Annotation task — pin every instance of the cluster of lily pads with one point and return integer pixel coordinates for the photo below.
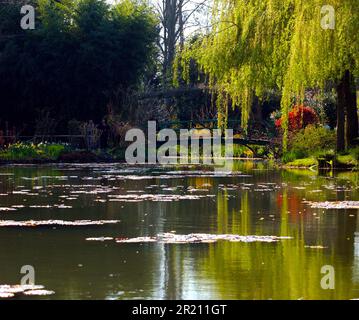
(11, 291)
(52, 223)
(173, 238)
(334, 204)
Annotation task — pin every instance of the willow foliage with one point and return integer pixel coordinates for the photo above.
(259, 45)
(318, 55)
(245, 53)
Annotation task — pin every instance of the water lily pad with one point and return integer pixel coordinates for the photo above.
(100, 239)
(46, 223)
(200, 238)
(10, 291)
(333, 204)
(316, 247)
(39, 292)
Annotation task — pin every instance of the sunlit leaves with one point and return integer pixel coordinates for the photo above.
(255, 46)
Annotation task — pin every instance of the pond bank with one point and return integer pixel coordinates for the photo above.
(88, 157)
(68, 157)
(342, 162)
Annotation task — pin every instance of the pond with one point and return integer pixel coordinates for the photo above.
(256, 200)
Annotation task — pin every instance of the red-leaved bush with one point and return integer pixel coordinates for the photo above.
(298, 118)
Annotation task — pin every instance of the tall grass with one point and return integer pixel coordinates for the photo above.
(31, 151)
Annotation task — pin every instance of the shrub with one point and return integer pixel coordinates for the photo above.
(292, 155)
(305, 163)
(242, 151)
(51, 151)
(347, 161)
(312, 140)
(31, 151)
(325, 154)
(355, 153)
(18, 151)
(298, 118)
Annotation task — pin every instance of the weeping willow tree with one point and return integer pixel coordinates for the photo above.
(260, 45)
(245, 54)
(324, 48)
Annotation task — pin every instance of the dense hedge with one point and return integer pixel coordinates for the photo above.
(79, 54)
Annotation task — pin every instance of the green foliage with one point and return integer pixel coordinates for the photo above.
(80, 55)
(242, 151)
(312, 140)
(290, 156)
(322, 55)
(258, 45)
(30, 151)
(347, 160)
(245, 54)
(302, 163)
(327, 154)
(354, 152)
(51, 151)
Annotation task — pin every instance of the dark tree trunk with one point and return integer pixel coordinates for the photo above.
(351, 113)
(256, 111)
(342, 95)
(170, 21)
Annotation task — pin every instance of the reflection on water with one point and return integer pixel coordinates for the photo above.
(256, 201)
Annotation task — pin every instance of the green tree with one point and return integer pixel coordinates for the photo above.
(259, 45)
(245, 53)
(80, 54)
(320, 55)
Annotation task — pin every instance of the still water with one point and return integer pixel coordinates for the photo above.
(257, 200)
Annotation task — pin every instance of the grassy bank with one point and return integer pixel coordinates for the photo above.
(56, 152)
(32, 152)
(340, 161)
(49, 152)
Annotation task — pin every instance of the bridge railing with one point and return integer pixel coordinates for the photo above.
(256, 129)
